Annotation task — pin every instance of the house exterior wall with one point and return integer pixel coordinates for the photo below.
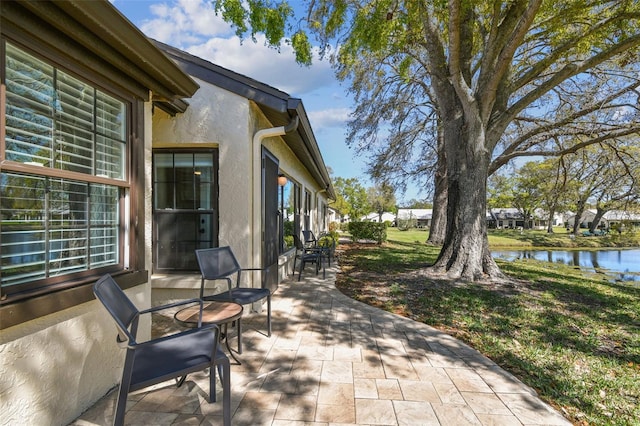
(55, 367)
(219, 119)
(294, 169)
(291, 166)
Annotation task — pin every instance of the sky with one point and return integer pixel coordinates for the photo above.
(192, 25)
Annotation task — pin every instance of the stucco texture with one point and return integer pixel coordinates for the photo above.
(55, 367)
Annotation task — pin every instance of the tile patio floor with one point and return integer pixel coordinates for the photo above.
(332, 360)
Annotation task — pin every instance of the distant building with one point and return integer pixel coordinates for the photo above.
(621, 217)
(613, 218)
(333, 215)
(513, 218)
(422, 217)
(375, 217)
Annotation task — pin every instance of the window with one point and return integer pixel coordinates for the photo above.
(307, 211)
(185, 207)
(63, 178)
(290, 199)
(322, 212)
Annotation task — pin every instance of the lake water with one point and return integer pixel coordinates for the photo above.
(621, 264)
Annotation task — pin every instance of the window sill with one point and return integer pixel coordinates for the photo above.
(17, 312)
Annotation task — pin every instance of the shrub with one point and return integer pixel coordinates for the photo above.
(288, 241)
(406, 224)
(368, 231)
(288, 233)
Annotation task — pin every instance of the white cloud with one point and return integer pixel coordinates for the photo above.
(331, 117)
(193, 26)
(265, 64)
(184, 22)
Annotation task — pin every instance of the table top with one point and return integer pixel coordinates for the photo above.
(212, 313)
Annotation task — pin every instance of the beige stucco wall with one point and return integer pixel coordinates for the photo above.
(218, 118)
(215, 118)
(55, 367)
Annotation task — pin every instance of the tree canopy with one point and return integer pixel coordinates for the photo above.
(490, 82)
(382, 198)
(351, 198)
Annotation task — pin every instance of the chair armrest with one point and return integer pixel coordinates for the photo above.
(239, 272)
(314, 250)
(172, 305)
(204, 329)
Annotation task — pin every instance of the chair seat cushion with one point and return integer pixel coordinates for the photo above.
(160, 360)
(242, 295)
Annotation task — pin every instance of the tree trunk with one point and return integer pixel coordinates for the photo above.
(437, 231)
(578, 219)
(528, 219)
(596, 219)
(552, 213)
(465, 253)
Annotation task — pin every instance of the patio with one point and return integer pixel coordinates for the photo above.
(332, 360)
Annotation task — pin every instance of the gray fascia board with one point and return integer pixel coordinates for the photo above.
(102, 30)
(311, 144)
(239, 84)
(114, 28)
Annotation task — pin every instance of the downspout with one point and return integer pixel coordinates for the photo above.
(256, 237)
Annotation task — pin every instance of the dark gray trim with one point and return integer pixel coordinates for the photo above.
(239, 84)
(13, 314)
(105, 40)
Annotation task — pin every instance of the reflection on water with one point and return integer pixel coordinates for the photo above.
(623, 265)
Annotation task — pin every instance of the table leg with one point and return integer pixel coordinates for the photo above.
(225, 336)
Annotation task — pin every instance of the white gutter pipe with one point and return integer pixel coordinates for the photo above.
(256, 183)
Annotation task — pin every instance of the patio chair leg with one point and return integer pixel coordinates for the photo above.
(239, 335)
(269, 315)
(121, 406)
(212, 382)
(123, 391)
(226, 394)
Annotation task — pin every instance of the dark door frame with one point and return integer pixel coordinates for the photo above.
(270, 217)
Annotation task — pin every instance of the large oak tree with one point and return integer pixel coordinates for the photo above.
(506, 78)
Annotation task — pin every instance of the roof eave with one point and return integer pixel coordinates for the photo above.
(277, 106)
(102, 29)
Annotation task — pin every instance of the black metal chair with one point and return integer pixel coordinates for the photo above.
(328, 243)
(307, 254)
(219, 263)
(171, 357)
(309, 238)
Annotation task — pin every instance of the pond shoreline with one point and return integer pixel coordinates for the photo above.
(620, 264)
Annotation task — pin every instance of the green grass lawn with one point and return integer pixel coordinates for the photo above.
(511, 238)
(574, 337)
